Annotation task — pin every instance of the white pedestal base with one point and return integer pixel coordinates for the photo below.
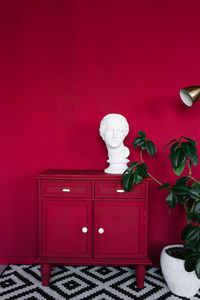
(117, 167)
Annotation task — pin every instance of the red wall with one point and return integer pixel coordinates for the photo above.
(64, 66)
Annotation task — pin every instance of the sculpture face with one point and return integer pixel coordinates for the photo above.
(114, 133)
(113, 129)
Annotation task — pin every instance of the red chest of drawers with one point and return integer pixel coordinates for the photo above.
(86, 218)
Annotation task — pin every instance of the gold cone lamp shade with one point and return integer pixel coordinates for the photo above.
(190, 94)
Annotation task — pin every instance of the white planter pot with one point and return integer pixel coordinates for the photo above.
(179, 281)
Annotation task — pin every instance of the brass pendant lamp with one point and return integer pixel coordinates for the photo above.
(190, 94)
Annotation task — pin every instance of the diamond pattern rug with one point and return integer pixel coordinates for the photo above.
(23, 282)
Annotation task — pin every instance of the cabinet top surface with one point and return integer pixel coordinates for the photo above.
(79, 174)
(62, 173)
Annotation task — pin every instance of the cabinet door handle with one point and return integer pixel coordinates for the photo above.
(120, 191)
(100, 230)
(66, 190)
(84, 230)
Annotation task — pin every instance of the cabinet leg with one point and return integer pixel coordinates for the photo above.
(140, 271)
(45, 274)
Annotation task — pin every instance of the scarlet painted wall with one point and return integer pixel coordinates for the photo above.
(64, 66)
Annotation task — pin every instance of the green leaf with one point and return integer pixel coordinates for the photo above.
(191, 237)
(182, 180)
(139, 141)
(190, 260)
(198, 247)
(183, 199)
(177, 157)
(190, 140)
(137, 178)
(194, 194)
(150, 147)
(191, 217)
(172, 200)
(141, 170)
(190, 163)
(128, 179)
(197, 268)
(134, 163)
(143, 146)
(190, 204)
(181, 189)
(179, 170)
(169, 143)
(191, 152)
(187, 149)
(144, 166)
(142, 134)
(191, 254)
(185, 231)
(164, 186)
(196, 211)
(196, 186)
(189, 264)
(174, 146)
(195, 161)
(197, 207)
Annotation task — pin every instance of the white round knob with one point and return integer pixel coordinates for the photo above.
(84, 229)
(100, 230)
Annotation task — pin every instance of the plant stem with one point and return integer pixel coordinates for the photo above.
(185, 207)
(190, 169)
(141, 157)
(190, 173)
(154, 178)
(194, 180)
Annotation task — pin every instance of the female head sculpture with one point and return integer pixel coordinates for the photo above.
(113, 130)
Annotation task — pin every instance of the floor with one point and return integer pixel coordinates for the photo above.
(23, 282)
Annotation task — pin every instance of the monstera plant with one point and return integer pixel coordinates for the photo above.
(186, 190)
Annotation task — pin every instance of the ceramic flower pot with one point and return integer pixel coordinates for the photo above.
(179, 281)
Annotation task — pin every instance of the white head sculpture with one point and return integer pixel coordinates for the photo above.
(113, 130)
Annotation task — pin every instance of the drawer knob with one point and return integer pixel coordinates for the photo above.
(100, 230)
(120, 191)
(66, 190)
(84, 230)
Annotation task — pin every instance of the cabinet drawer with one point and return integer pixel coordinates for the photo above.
(114, 189)
(66, 188)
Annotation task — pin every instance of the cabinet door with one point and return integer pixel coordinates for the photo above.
(119, 229)
(66, 228)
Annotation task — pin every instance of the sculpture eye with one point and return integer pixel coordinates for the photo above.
(120, 131)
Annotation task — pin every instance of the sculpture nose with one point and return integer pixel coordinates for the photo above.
(115, 133)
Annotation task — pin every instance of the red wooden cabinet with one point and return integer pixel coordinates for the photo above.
(86, 218)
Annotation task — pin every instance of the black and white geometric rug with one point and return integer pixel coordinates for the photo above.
(23, 282)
